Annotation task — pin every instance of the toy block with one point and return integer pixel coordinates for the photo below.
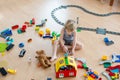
(33, 21)
(3, 47)
(109, 43)
(37, 28)
(27, 23)
(49, 78)
(19, 31)
(22, 53)
(29, 40)
(47, 36)
(6, 32)
(11, 71)
(115, 58)
(41, 33)
(111, 74)
(15, 27)
(7, 38)
(84, 66)
(106, 64)
(115, 70)
(116, 75)
(2, 53)
(24, 27)
(48, 31)
(3, 71)
(21, 45)
(10, 47)
(104, 58)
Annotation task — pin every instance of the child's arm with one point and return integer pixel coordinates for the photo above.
(74, 41)
(65, 49)
(61, 37)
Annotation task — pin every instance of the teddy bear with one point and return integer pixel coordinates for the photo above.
(43, 59)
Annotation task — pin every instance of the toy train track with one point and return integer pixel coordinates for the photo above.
(98, 30)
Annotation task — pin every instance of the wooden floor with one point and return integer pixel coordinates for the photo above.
(18, 11)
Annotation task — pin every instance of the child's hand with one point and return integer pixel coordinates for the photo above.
(65, 49)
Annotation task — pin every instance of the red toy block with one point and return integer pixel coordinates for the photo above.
(112, 74)
(24, 26)
(93, 76)
(15, 27)
(79, 66)
(33, 20)
(26, 23)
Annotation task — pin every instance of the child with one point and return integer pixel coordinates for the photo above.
(67, 40)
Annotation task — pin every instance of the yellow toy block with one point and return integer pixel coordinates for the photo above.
(104, 58)
(53, 39)
(95, 72)
(48, 31)
(90, 78)
(41, 33)
(85, 75)
(11, 71)
(37, 28)
(2, 53)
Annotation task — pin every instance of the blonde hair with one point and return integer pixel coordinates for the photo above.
(69, 25)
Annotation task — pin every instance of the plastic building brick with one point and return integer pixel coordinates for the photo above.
(43, 22)
(15, 27)
(106, 64)
(107, 42)
(19, 31)
(49, 78)
(6, 32)
(115, 58)
(22, 53)
(29, 40)
(48, 31)
(104, 58)
(37, 28)
(3, 47)
(21, 45)
(10, 47)
(47, 36)
(41, 33)
(11, 71)
(3, 71)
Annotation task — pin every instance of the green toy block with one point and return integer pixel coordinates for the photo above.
(19, 31)
(85, 66)
(78, 30)
(3, 47)
(107, 64)
(30, 21)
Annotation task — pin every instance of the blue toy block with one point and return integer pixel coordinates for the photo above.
(6, 32)
(7, 38)
(116, 58)
(49, 78)
(10, 47)
(115, 71)
(106, 39)
(9, 42)
(47, 36)
(21, 45)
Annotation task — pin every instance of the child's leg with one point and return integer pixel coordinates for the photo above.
(55, 50)
(78, 46)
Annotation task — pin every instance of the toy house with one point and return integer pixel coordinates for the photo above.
(65, 67)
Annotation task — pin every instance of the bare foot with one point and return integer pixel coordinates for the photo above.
(53, 58)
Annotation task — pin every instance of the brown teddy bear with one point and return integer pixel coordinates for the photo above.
(43, 59)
